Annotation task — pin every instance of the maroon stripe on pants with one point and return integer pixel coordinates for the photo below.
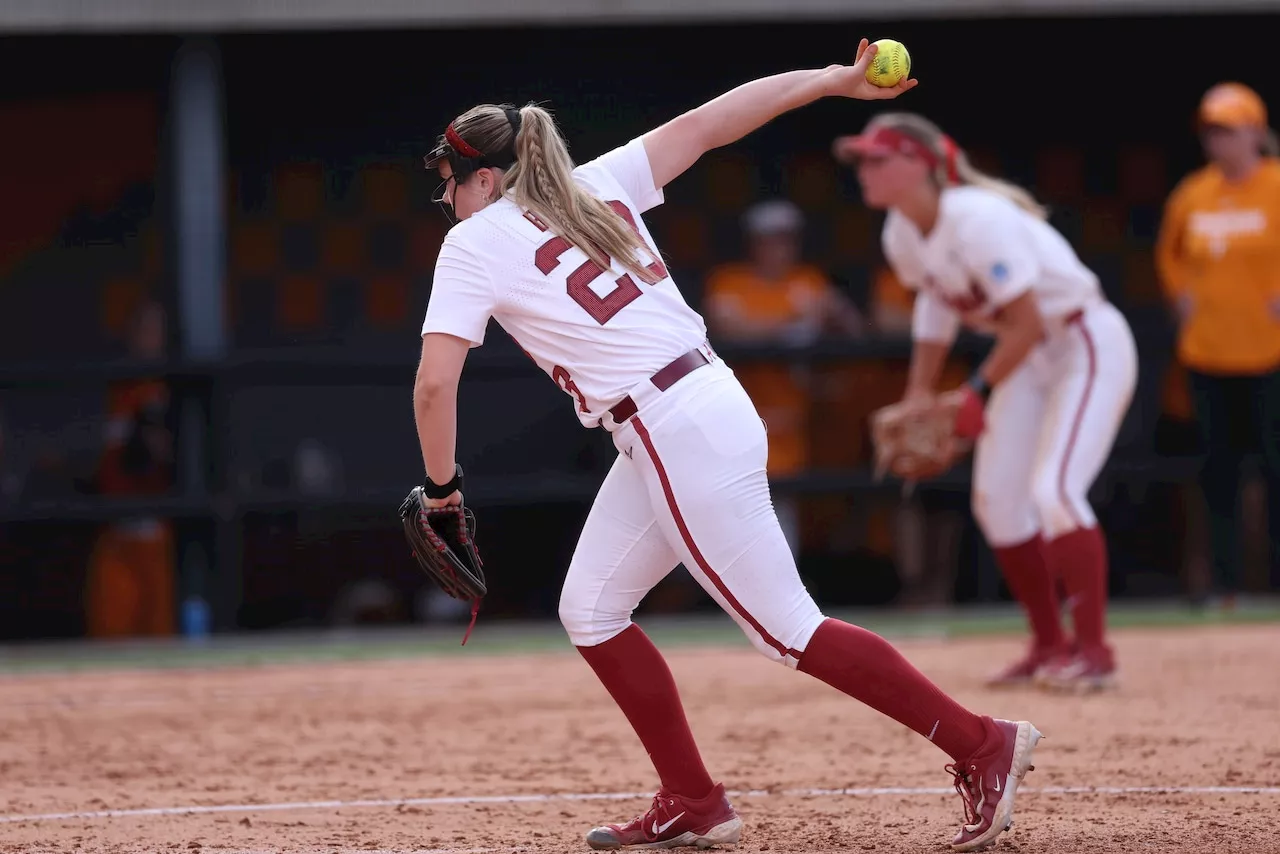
(647, 441)
(1079, 420)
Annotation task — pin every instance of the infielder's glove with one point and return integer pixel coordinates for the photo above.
(916, 440)
(443, 542)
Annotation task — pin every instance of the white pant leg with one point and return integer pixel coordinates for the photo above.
(1093, 379)
(621, 555)
(701, 450)
(1004, 458)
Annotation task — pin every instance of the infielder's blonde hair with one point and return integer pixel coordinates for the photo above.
(932, 137)
(541, 181)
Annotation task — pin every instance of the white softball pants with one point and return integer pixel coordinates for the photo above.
(689, 486)
(1050, 428)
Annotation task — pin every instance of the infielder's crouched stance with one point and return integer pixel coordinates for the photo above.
(1060, 377)
(562, 259)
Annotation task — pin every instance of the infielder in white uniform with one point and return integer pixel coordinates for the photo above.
(1060, 377)
(561, 258)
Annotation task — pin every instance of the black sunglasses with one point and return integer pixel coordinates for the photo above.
(439, 198)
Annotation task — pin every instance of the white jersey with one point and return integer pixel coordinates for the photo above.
(597, 333)
(983, 253)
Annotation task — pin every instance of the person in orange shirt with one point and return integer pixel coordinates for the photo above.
(1218, 254)
(131, 586)
(774, 297)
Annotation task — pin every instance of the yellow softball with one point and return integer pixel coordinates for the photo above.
(892, 64)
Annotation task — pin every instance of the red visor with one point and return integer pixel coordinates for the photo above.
(882, 141)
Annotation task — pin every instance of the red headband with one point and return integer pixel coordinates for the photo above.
(459, 144)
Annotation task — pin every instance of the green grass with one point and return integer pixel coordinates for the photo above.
(506, 638)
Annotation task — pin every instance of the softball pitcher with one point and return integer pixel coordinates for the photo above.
(562, 259)
(1047, 403)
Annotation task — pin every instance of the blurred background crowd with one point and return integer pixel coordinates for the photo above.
(217, 241)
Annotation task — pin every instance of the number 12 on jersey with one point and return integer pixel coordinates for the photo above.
(601, 308)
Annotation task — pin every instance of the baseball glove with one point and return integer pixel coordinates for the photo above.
(443, 542)
(915, 440)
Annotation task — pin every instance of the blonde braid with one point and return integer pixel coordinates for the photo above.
(541, 181)
(541, 175)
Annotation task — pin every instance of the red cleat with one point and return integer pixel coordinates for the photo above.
(674, 822)
(988, 783)
(1024, 670)
(1087, 671)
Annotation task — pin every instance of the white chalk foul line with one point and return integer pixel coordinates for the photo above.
(464, 800)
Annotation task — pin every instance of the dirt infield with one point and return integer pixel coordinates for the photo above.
(1197, 711)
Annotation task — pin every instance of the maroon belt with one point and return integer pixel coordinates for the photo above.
(662, 380)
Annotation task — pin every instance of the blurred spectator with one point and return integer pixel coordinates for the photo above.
(131, 587)
(1219, 261)
(773, 297)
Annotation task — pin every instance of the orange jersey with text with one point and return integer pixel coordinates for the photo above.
(1219, 248)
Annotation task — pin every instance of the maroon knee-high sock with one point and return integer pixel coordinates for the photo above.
(867, 667)
(1080, 559)
(637, 677)
(1026, 570)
